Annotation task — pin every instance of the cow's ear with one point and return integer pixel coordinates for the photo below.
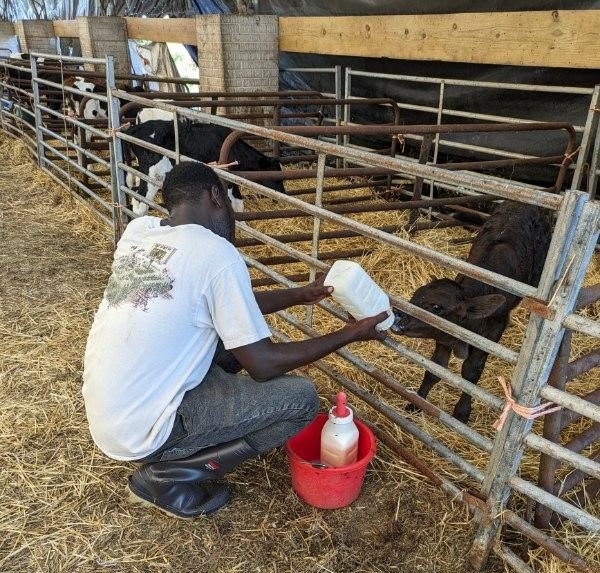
(483, 306)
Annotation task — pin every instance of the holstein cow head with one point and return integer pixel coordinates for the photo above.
(445, 298)
(92, 108)
(149, 113)
(149, 163)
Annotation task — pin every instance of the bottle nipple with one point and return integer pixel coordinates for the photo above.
(341, 410)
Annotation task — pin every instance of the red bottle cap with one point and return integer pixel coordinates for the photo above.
(341, 411)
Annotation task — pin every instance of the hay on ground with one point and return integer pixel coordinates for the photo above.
(64, 504)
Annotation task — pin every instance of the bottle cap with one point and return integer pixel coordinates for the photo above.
(340, 413)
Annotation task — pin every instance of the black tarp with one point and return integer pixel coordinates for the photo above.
(526, 105)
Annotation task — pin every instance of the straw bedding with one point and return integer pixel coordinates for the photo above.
(64, 504)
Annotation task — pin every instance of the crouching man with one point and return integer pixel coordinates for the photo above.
(177, 322)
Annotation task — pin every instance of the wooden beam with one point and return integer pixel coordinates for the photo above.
(66, 28)
(178, 30)
(569, 38)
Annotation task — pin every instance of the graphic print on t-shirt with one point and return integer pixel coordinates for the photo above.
(139, 276)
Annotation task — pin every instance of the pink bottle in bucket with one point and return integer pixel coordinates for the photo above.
(339, 437)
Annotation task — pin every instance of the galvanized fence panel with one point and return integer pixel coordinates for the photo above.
(552, 305)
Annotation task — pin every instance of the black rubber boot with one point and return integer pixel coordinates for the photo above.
(178, 486)
(178, 499)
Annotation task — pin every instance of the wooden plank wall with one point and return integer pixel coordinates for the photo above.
(179, 30)
(569, 38)
(566, 38)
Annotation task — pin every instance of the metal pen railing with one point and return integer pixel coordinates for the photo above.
(552, 305)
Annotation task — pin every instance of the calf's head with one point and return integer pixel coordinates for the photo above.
(445, 298)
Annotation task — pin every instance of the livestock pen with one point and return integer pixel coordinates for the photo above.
(471, 464)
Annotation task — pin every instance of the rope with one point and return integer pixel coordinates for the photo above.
(597, 109)
(523, 411)
(111, 131)
(569, 156)
(222, 165)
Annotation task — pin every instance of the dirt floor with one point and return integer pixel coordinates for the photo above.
(64, 505)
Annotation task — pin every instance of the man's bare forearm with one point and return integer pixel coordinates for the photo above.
(265, 360)
(273, 300)
(269, 360)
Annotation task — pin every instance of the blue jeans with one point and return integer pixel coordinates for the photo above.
(226, 406)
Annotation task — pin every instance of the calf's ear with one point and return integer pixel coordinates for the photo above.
(483, 306)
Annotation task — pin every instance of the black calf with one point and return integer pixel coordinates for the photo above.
(513, 242)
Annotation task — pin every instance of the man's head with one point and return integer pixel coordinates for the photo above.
(193, 192)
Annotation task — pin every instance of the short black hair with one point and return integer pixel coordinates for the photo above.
(187, 182)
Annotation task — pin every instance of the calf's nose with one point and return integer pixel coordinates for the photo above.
(399, 326)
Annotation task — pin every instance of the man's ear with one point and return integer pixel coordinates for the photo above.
(216, 197)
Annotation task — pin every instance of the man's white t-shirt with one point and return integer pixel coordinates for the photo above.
(173, 292)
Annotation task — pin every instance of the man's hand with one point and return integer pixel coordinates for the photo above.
(364, 330)
(265, 360)
(314, 292)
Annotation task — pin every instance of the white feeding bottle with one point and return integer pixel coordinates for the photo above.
(339, 437)
(358, 293)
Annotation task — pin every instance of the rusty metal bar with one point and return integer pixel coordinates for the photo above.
(552, 426)
(572, 479)
(480, 183)
(296, 174)
(267, 281)
(369, 208)
(348, 200)
(341, 187)
(583, 364)
(300, 237)
(588, 295)
(326, 256)
(584, 439)
(277, 103)
(418, 185)
(547, 542)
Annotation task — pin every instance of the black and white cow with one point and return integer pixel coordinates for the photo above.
(196, 140)
(92, 108)
(151, 113)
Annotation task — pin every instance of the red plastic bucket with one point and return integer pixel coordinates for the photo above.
(327, 488)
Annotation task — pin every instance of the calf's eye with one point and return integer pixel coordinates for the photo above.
(436, 308)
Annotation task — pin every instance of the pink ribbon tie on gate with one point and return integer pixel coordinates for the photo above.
(523, 411)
